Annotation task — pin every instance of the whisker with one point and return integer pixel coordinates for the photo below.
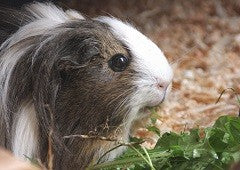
(182, 57)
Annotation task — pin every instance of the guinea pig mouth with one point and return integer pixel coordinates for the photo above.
(154, 102)
(157, 102)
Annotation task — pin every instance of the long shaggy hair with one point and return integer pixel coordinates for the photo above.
(55, 73)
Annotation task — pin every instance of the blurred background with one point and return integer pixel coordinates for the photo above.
(201, 39)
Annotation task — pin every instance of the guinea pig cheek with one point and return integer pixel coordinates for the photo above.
(148, 92)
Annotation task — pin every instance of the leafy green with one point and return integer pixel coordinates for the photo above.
(153, 129)
(219, 147)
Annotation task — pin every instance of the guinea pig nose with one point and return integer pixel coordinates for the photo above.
(160, 85)
(163, 85)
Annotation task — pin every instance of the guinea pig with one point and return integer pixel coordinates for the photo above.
(64, 74)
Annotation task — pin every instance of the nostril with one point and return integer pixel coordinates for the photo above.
(160, 85)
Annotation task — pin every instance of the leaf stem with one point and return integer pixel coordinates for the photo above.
(99, 160)
(126, 161)
(148, 157)
(141, 155)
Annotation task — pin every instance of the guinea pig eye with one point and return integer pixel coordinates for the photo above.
(118, 62)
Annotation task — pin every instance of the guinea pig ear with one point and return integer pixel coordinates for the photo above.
(66, 64)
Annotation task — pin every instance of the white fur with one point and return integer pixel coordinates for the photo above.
(52, 12)
(74, 14)
(25, 136)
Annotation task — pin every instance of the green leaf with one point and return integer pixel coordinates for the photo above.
(198, 153)
(168, 140)
(234, 129)
(187, 151)
(137, 140)
(227, 157)
(223, 120)
(177, 151)
(236, 156)
(154, 129)
(153, 120)
(216, 140)
(189, 139)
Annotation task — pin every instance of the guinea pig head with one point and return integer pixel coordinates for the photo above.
(108, 71)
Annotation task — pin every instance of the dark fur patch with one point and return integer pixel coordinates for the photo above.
(11, 20)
